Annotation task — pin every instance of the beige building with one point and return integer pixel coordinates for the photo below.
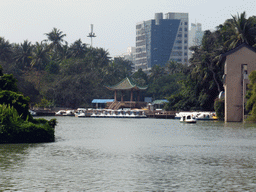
(239, 63)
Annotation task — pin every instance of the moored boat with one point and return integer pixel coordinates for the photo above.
(206, 116)
(60, 112)
(188, 118)
(69, 113)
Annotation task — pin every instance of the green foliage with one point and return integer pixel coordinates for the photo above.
(164, 86)
(9, 116)
(219, 107)
(53, 67)
(18, 101)
(16, 123)
(252, 114)
(5, 50)
(13, 129)
(23, 54)
(44, 103)
(72, 76)
(140, 78)
(251, 96)
(7, 82)
(52, 122)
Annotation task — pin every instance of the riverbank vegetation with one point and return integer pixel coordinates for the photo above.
(55, 73)
(16, 123)
(251, 96)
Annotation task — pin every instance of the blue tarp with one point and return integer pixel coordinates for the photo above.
(102, 100)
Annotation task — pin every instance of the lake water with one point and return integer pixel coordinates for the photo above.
(134, 155)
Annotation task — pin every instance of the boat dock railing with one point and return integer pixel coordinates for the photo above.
(161, 114)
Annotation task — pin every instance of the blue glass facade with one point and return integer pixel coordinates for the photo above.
(161, 40)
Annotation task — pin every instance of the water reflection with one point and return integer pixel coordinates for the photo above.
(134, 155)
(11, 157)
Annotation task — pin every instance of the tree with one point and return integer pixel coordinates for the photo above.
(9, 95)
(56, 41)
(5, 50)
(173, 67)
(156, 72)
(240, 30)
(140, 78)
(251, 96)
(39, 56)
(78, 49)
(23, 54)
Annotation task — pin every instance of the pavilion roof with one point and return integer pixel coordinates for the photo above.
(126, 84)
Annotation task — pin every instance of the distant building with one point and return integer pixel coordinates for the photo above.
(129, 55)
(162, 39)
(195, 36)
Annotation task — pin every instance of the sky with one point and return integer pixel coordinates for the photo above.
(114, 20)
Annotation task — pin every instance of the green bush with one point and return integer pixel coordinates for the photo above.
(219, 107)
(18, 101)
(13, 129)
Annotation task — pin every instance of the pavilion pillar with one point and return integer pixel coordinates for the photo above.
(138, 96)
(115, 98)
(131, 95)
(122, 96)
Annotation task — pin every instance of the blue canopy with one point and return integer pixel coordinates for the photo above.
(102, 100)
(160, 101)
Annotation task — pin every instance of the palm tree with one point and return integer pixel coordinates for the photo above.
(56, 39)
(156, 72)
(78, 49)
(23, 53)
(39, 56)
(173, 67)
(240, 30)
(98, 58)
(65, 53)
(5, 50)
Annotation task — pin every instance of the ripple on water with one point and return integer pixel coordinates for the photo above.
(134, 155)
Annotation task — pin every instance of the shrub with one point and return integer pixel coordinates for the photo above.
(13, 129)
(219, 107)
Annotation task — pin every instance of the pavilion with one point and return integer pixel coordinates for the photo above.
(123, 86)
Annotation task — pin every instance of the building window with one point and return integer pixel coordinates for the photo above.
(178, 60)
(186, 35)
(186, 23)
(179, 35)
(177, 47)
(177, 53)
(180, 29)
(138, 26)
(186, 29)
(185, 41)
(178, 41)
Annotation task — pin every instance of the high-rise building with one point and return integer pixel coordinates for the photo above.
(162, 39)
(129, 55)
(195, 36)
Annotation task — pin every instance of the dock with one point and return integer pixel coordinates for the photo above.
(150, 114)
(161, 114)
